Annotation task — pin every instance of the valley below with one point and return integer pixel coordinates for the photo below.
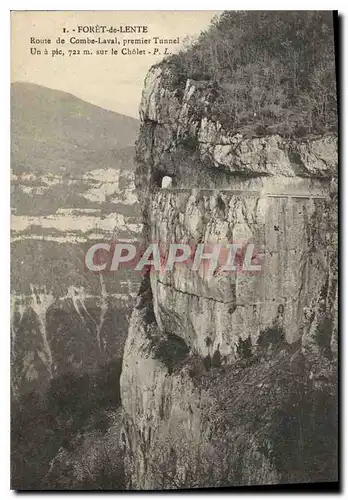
(68, 324)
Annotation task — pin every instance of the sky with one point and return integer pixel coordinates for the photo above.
(112, 82)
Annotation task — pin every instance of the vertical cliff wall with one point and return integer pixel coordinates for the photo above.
(230, 379)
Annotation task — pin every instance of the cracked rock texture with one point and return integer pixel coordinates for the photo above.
(229, 379)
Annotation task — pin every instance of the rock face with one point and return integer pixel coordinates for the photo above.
(229, 379)
(54, 335)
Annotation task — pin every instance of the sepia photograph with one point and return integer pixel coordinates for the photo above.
(174, 250)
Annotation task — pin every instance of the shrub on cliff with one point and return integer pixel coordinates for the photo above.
(275, 70)
(244, 348)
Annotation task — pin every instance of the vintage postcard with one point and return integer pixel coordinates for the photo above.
(174, 249)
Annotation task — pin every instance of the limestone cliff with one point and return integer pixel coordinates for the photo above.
(230, 379)
(71, 187)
